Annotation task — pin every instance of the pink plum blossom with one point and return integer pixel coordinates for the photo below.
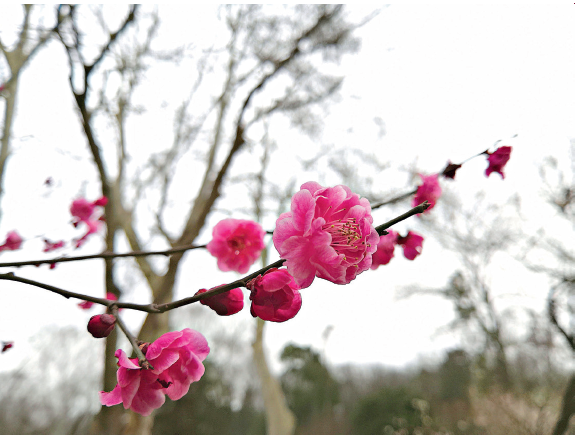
(176, 358)
(84, 211)
(328, 233)
(86, 305)
(13, 242)
(429, 190)
(412, 245)
(52, 246)
(385, 249)
(101, 325)
(497, 160)
(237, 244)
(275, 296)
(225, 304)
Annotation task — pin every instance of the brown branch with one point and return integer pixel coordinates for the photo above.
(394, 200)
(149, 308)
(103, 255)
(415, 210)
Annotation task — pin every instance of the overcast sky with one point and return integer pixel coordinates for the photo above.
(446, 80)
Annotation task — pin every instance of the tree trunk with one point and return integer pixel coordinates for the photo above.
(279, 419)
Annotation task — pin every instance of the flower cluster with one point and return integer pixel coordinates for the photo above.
(411, 244)
(237, 244)
(328, 233)
(84, 211)
(176, 360)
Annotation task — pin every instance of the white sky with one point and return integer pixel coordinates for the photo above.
(448, 81)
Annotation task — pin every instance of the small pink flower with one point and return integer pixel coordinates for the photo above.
(7, 345)
(275, 296)
(328, 233)
(429, 191)
(13, 242)
(412, 244)
(52, 246)
(237, 244)
(225, 304)
(176, 358)
(385, 250)
(101, 325)
(84, 212)
(497, 160)
(86, 305)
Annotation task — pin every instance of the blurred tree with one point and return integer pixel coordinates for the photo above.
(310, 389)
(268, 66)
(207, 410)
(393, 408)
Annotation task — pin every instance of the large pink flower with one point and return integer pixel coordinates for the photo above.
(328, 233)
(225, 304)
(176, 358)
(412, 245)
(13, 242)
(385, 250)
(237, 244)
(497, 161)
(275, 296)
(429, 190)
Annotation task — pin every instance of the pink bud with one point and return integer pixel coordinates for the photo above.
(7, 345)
(275, 296)
(101, 325)
(225, 304)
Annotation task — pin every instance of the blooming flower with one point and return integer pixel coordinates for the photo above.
(385, 249)
(101, 325)
(237, 244)
(275, 296)
(13, 242)
(225, 304)
(176, 358)
(84, 211)
(412, 245)
(497, 160)
(429, 191)
(328, 233)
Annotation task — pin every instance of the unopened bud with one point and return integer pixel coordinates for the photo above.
(101, 325)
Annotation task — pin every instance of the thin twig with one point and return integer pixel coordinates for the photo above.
(415, 210)
(104, 255)
(142, 361)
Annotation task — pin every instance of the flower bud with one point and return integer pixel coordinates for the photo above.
(225, 304)
(101, 325)
(275, 296)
